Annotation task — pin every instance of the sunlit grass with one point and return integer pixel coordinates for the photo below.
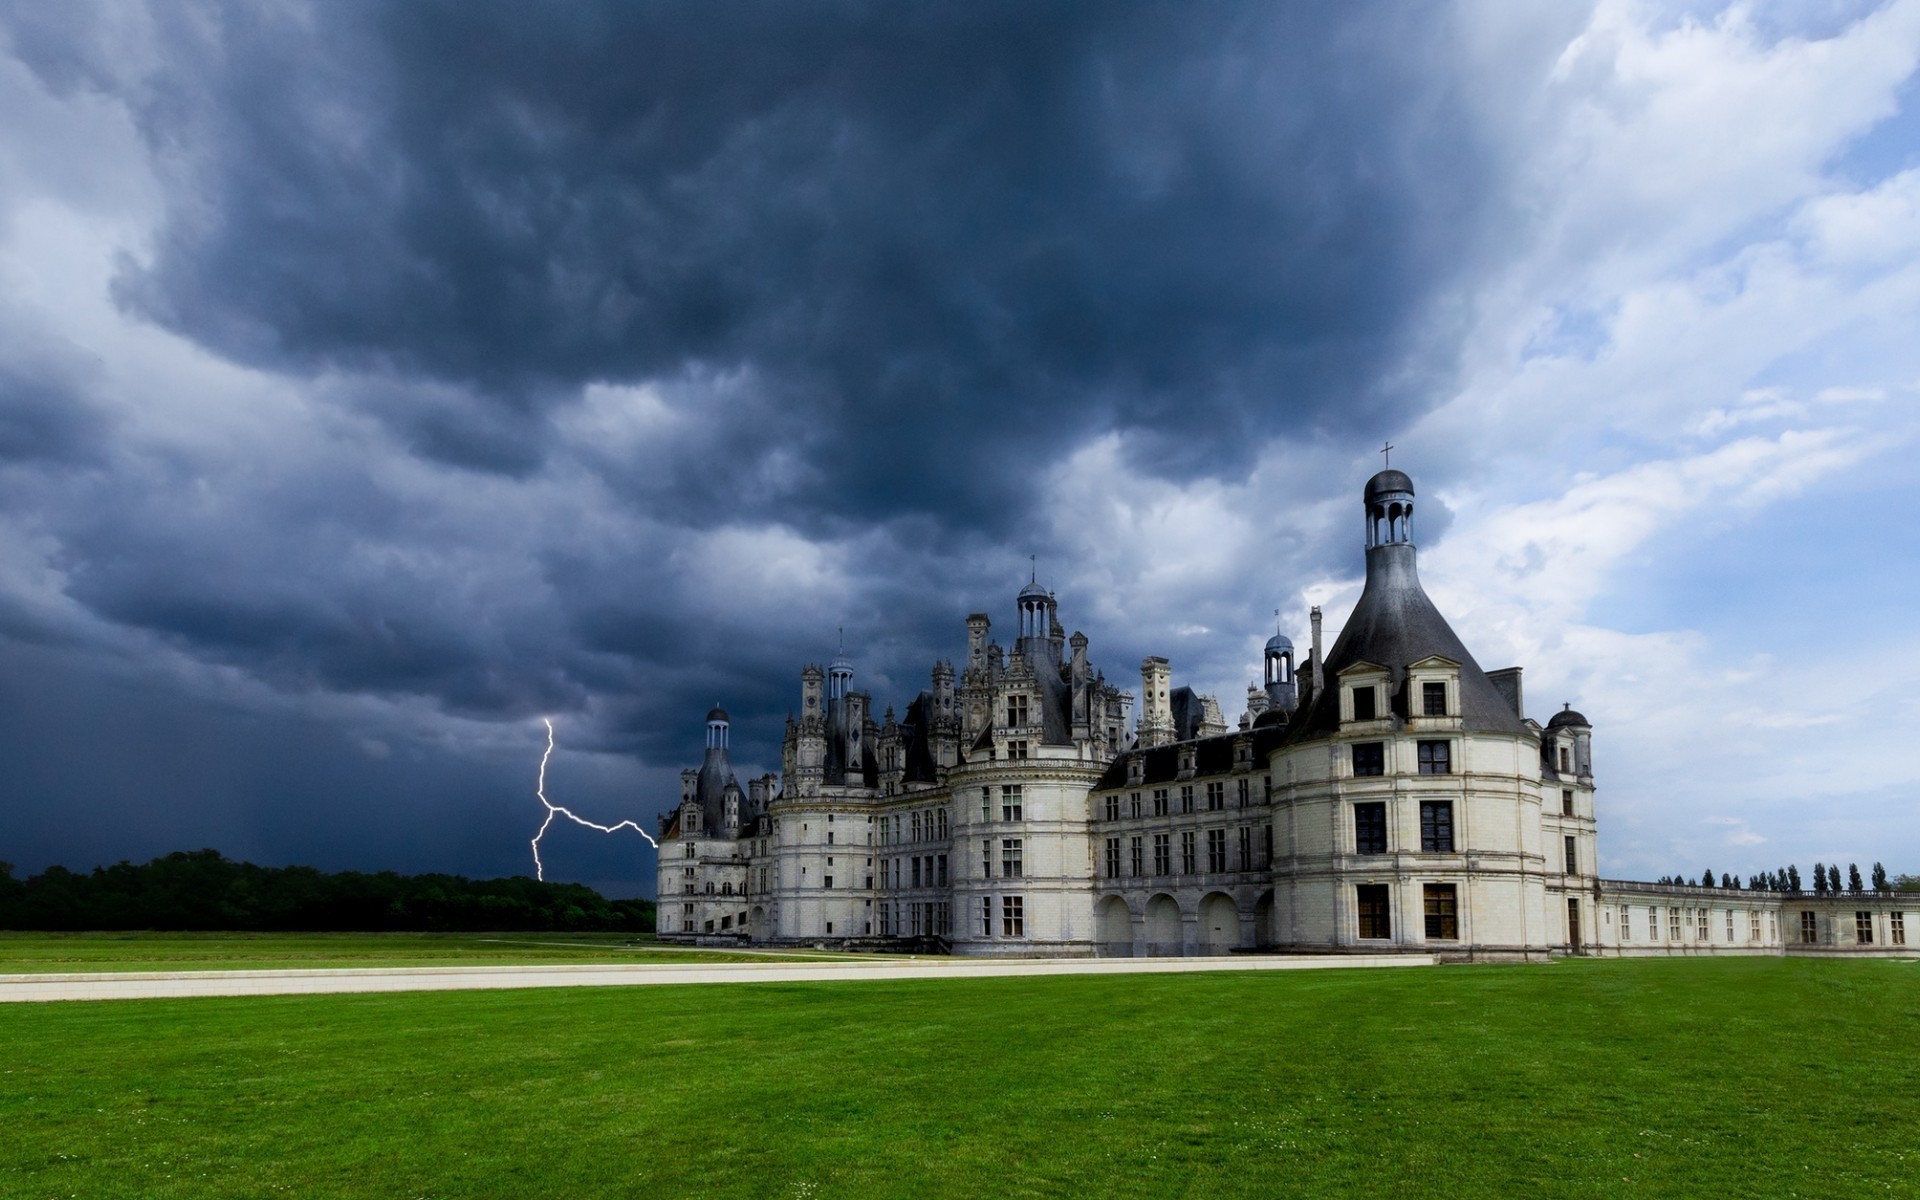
(1751, 1077)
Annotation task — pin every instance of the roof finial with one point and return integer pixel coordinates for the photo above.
(1033, 576)
(1276, 620)
(1386, 453)
(1567, 706)
(843, 638)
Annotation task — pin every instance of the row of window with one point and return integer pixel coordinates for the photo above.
(1010, 802)
(726, 922)
(1217, 853)
(917, 919)
(1440, 908)
(1366, 701)
(1216, 800)
(1698, 920)
(1435, 758)
(921, 826)
(1013, 916)
(1370, 827)
(1862, 928)
(921, 870)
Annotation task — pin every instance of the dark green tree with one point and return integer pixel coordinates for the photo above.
(1819, 879)
(1706, 880)
(1793, 878)
(1854, 883)
(1833, 879)
(1728, 881)
(1880, 883)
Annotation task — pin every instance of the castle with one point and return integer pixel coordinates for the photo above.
(1384, 795)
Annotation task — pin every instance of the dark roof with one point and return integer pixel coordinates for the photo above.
(1211, 756)
(716, 713)
(1389, 480)
(1567, 716)
(1395, 625)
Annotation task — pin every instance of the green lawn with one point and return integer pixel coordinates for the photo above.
(1747, 1077)
(22, 953)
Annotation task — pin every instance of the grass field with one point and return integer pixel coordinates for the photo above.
(22, 953)
(1749, 1077)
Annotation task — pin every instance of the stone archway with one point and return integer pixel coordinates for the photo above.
(1115, 925)
(757, 924)
(1163, 927)
(1265, 936)
(1219, 924)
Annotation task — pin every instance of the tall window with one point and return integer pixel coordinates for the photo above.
(1017, 709)
(1572, 855)
(986, 916)
(1809, 927)
(1897, 928)
(1133, 802)
(1216, 850)
(1162, 854)
(1700, 932)
(1566, 762)
(1363, 703)
(1159, 802)
(1433, 699)
(1729, 924)
(1246, 848)
(1013, 921)
(1133, 850)
(1436, 758)
(1443, 923)
(1372, 909)
(986, 858)
(1216, 795)
(916, 827)
(1753, 925)
(1863, 928)
(1436, 826)
(1186, 797)
(941, 823)
(1370, 828)
(986, 804)
(1113, 858)
(1653, 924)
(1626, 922)
(916, 870)
(1369, 758)
(1566, 802)
(1186, 852)
(1673, 924)
(1010, 802)
(1017, 749)
(1010, 858)
(1243, 793)
(1113, 808)
(942, 860)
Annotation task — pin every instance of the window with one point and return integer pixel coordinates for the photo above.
(1753, 925)
(1572, 853)
(1162, 855)
(1246, 848)
(1436, 758)
(1374, 921)
(1017, 710)
(826, 881)
(1566, 802)
(1134, 804)
(1729, 924)
(1013, 921)
(1863, 928)
(1809, 927)
(916, 870)
(1566, 765)
(1433, 699)
(1700, 932)
(1160, 802)
(1897, 928)
(1436, 826)
(1370, 828)
(1113, 808)
(940, 822)
(1266, 834)
(1653, 924)
(1186, 797)
(1243, 793)
(1216, 795)
(986, 804)
(1363, 703)
(1626, 922)
(689, 849)
(1133, 850)
(726, 922)
(1186, 852)
(942, 862)
(986, 916)
(1010, 858)
(1673, 924)
(1017, 750)
(1369, 758)
(1113, 858)
(916, 828)
(1216, 850)
(1010, 802)
(1443, 923)
(986, 858)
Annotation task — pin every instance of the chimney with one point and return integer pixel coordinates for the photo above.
(1319, 660)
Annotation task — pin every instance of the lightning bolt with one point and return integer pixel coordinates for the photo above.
(555, 810)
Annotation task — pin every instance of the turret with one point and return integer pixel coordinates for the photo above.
(1156, 705)
(1281, 688)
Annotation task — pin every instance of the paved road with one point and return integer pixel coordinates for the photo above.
(130, 985)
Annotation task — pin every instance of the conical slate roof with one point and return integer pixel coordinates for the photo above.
(1395, 625)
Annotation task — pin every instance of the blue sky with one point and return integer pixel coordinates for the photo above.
(375, 381)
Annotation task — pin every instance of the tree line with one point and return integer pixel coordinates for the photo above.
(202, 889)
(1825, 880)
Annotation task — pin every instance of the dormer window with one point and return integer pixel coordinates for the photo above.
(1363, 703)
(1433, 699)
(1566, 761)
(1017, 710)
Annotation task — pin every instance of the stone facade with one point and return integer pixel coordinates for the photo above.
(1390, 796)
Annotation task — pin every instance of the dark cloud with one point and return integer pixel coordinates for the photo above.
(989, 229)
